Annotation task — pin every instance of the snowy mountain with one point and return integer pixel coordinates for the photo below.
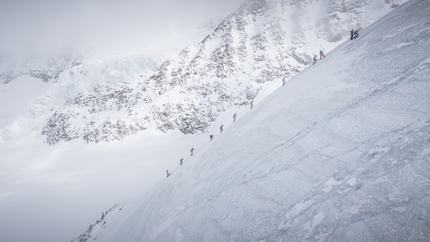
(259, 43)
(45, 67)
(109, 73)
(340, 153)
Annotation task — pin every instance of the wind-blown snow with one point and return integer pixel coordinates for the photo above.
(340, 153)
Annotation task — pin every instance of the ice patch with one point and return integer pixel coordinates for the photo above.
(352, 182)
(425, 152)
(331, 183)
(294, 212)
(178, 236)
(401, 209)
(397, 196)
(318, 219)
(354, 209)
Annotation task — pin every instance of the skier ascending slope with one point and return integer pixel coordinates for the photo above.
(234, 117)
(314, 60)
(221, 128)
(167, 173)
(192, 151)
(352, 34)
(180, 161)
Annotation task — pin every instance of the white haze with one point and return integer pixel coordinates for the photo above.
(43, 27)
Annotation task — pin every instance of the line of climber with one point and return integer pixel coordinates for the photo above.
(211, 136)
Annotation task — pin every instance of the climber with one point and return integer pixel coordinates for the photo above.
(314, 60)
(322, 55)
(352, 34)
(234, 117)
(356, 34)
(211, 137)
(167, 172)
(252, 104)
(221, 128)
(192, 151)
(180, 161)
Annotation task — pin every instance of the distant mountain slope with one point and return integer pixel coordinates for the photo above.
(261, 42)
(41, 67)
(340, 153)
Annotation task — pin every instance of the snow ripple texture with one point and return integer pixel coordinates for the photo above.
(340, 153)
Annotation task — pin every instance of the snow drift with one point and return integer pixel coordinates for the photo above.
(340, 153)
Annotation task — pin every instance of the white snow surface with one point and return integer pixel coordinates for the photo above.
(340, 153)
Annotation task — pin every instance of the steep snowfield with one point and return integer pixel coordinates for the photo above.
(340, 153)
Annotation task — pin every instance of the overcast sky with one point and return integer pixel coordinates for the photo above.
(115, 25)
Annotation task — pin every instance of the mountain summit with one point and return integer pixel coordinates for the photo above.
(340, 153)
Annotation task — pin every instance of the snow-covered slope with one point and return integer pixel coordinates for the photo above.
(340, 153)
(261, 42)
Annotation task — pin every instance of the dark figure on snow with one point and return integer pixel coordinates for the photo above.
(192, 151)
(180, 161)
(283, 81)
(352, 34)
(167, 173)
(234, 117)
(221, 128)
(211, 137)
(322, 55)
(252, 104)
(314, 60)
(356, 34)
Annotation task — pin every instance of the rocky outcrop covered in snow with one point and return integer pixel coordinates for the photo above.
(262, 41)
(99, 225)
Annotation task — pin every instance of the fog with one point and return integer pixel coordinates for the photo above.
(107, 26)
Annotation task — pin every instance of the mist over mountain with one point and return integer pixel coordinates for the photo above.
(260, 42)
(340, 153)
(37, 33)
